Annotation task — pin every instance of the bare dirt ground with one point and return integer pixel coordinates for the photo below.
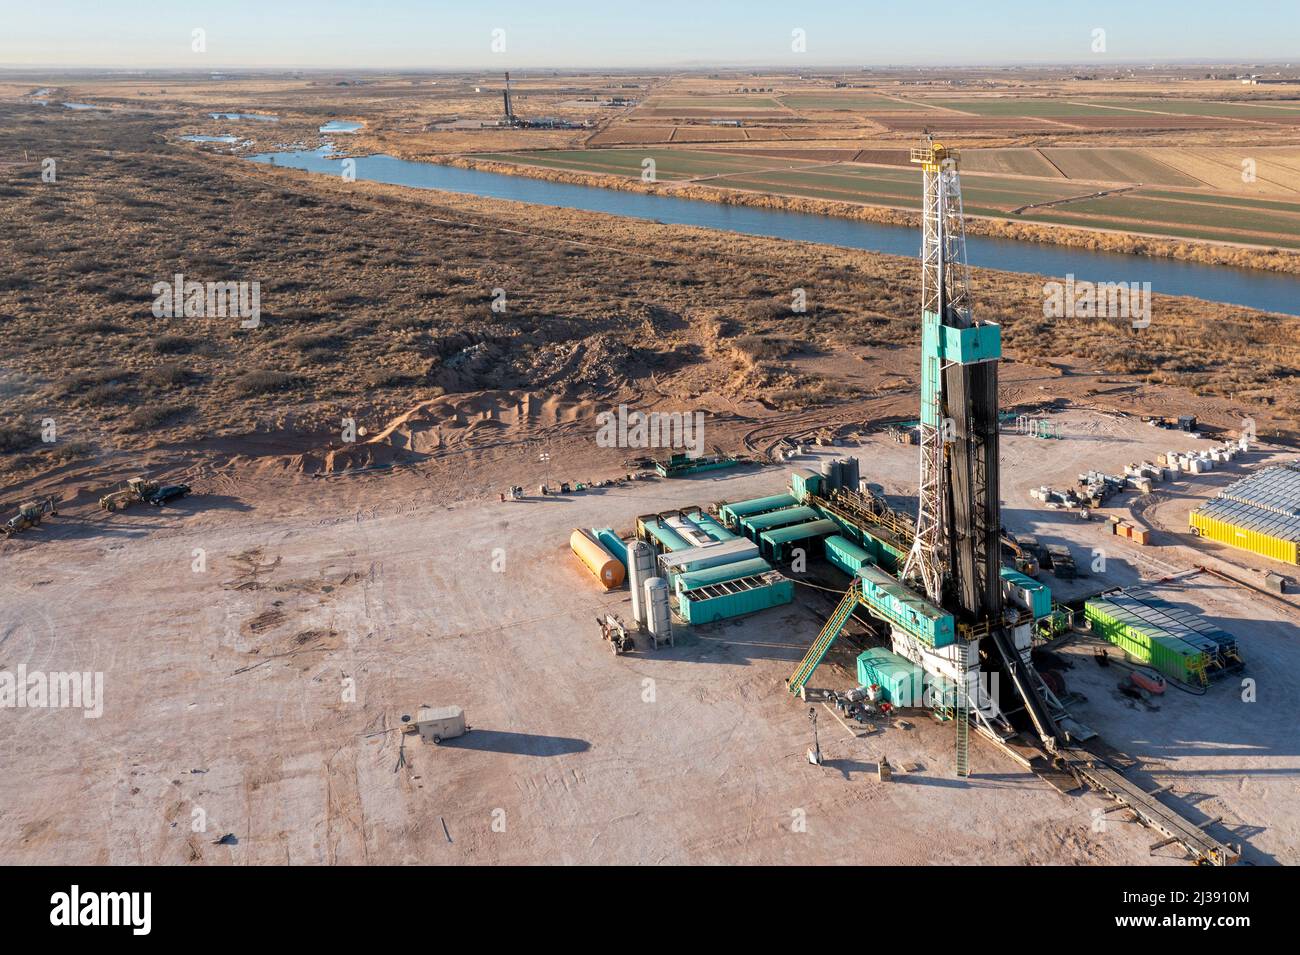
(261, 694)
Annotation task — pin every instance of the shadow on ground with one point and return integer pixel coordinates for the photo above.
(518, 744)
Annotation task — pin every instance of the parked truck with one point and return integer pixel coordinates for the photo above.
(143, 491)
(1062, 561)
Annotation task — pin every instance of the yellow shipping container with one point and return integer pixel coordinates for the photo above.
(1262, 544)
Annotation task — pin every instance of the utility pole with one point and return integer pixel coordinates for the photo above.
(815, 751)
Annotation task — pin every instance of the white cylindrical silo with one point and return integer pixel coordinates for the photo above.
(658, 618)
(830, 474)
(640, 568)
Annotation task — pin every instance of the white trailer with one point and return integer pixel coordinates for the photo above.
(437, 723)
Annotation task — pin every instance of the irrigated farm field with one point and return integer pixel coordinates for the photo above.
(738, 101)
(1223, 219)
(851, 101)
(1123, 110)
(1021, 106)
(983, 195)
(1115, 165)
(1104, 190)
(670, 164)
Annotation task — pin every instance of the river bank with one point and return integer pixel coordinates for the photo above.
(1262, 258)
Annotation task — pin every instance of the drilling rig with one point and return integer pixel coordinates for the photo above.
(956, 552)
(946, 609)
(510, 119)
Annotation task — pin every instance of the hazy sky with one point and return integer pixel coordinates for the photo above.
(539, 33)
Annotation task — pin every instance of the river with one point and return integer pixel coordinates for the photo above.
(1270, 291)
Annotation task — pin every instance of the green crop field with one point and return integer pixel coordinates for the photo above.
(1190, 215)
(1140, 208)
(845, 183)
(990, 191)
(856, 101)
(1012, 106)
(983, 195)
(1161, 229)
(1240, 202)
(1168, 212)
(739, 101)
(1261, 110)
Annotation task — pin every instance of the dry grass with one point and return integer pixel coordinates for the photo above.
(375, 298)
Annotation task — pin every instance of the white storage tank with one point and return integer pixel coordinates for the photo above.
(659, 621)
(830, 476)
(640, 567)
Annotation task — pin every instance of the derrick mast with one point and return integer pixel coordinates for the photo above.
(945, 301)
(956, 555)
(961, 632)
(509, 104)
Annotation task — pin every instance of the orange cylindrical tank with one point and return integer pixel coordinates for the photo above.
(1149, 680)
(607, 568)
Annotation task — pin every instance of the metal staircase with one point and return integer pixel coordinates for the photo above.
(961, 714)
(824, 639)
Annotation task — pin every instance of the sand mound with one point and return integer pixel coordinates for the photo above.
(452, 421)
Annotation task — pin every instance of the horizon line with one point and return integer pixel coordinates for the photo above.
(693, 65)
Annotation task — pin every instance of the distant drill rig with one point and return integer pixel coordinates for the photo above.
(509, 119)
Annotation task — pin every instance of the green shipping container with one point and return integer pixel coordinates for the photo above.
(846, 555)
(1174, 658)
(756, 524)
(667, 538)
(731, 513)
(901, 681)
(706, 523)
(1028, 590)
(711, 610)
(776, 543)
(803, 482)
(902, 606)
